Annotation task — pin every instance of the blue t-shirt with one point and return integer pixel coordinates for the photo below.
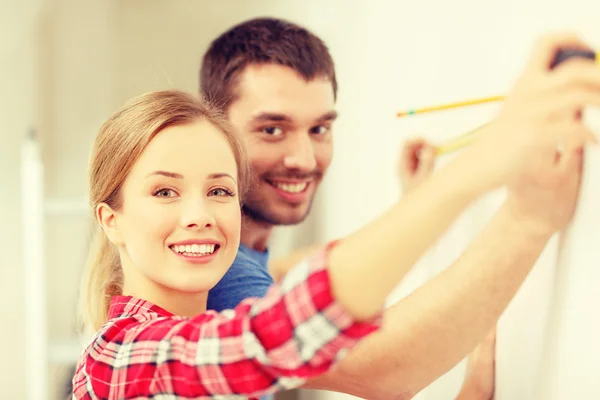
(248, 276)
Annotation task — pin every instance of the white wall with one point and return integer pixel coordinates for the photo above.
(17, 113)
(409, 54)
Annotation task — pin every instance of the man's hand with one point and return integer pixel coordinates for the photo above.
(461, 304)
(466, 300)
(480, 377)
(416, 163)
(546, 196)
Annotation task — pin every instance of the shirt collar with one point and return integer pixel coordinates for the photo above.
(128, 305)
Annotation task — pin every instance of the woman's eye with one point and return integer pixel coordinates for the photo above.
(165, 193)
(220, 192)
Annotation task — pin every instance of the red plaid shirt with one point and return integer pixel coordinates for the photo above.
(265, 345)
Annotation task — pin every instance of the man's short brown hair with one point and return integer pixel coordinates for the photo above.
(261, 41)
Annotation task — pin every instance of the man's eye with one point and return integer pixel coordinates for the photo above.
(319, 130)
(273, 130)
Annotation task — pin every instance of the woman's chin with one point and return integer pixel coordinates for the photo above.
(197, 282)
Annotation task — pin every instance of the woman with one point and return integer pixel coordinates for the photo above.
(166, 180)
(167, 176)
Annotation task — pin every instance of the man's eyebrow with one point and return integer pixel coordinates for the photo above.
(327, 117)
(271, 117)
(279, 117)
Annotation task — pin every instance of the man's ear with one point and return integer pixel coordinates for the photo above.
(107, 218)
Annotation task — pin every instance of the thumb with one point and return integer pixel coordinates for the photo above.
(426, 160)
(409, 158)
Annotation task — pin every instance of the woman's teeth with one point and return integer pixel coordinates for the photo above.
(194, 249)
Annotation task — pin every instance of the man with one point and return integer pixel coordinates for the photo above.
(276, 82)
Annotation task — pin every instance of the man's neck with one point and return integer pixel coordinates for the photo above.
(255, 234)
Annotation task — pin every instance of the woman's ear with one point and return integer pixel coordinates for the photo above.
(107, 218)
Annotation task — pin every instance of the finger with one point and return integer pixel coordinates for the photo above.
(576, 73)
(411, 146)
(561, 140)
(575, 118)
(551, 140)
(571, 101)
(544, 51)
(566, 131)
(426, 160)
(404, 163)
(575, 140)
(409, 158)
(569, 145)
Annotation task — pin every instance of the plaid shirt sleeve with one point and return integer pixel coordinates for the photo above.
(265, 345)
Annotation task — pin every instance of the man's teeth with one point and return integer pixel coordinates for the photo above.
(292, 187)
(194, 248)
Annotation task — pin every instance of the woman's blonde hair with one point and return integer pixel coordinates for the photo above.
(119, 143)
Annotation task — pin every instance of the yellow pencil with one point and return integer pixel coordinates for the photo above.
(459, 142)
(561, 56)
(448, 106)
(470, 136)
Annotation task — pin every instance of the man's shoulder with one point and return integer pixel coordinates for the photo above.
(249, 257)
(248, 276)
